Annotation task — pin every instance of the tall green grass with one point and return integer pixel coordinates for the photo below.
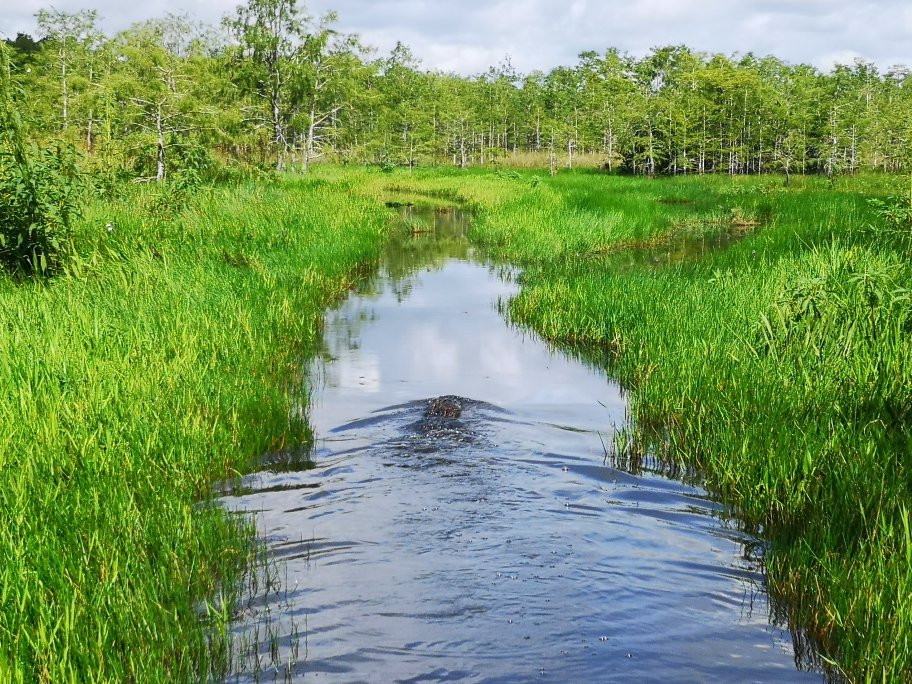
(781, 367)
(169, 354)
(168, 357)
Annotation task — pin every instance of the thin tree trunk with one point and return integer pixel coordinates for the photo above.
(278, 134)
(853, 162)
(651, 152)
(63, 82)
(309, 142)
(160, 174)
(552, 157)
(91, 115)
(610, 147)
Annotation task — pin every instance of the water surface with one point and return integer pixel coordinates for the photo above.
(501, 545)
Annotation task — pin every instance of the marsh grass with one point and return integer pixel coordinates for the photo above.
(780, 367)
(168, 357)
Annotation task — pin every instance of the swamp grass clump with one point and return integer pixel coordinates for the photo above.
(780, 367)
(167, 356)
(40, 191)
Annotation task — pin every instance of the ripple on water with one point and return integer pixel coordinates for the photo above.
(498, 545)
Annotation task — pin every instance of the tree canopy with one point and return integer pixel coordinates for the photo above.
(275, 86)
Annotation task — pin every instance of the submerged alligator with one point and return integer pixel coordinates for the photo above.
(449, 406)
(422, 429)
(426, 429)
(446, 424)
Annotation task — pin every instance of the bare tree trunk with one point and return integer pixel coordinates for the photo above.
(853, 159)
(834, 149)
(159, 127)
(803, 149)
(63, 82)
(277, 132)
(552, 157)
(89, 141)
(703, 145)
(309, 142)
(651, 152)
(610, 146)
(760, 150)
(744, 136)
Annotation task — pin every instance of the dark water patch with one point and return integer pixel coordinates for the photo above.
(681, 246)
(467, 520)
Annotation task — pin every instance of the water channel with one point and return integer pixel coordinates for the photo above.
(502, 544)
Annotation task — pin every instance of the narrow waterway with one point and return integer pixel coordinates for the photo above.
(500, 544)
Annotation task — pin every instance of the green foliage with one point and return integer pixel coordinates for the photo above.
(193, 162)
(300, 90)
(236, 172)
(895, 213)
(730, 355)
(780, 367)
(40, 191)
(40, 196)
(170, 362)
(844, 298)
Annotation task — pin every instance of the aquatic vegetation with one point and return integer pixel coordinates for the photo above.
(167, 357)
(780, 367)
(39, 191)
(488, 526)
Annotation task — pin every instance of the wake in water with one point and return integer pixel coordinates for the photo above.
(463, 523)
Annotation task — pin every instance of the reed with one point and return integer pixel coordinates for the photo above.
(780, 367)
(169, 356)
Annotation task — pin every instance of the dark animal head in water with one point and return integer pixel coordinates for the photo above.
(429, 431)
(445, 407)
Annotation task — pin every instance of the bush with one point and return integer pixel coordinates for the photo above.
(40, 194)
(896, 217)
(39, 191)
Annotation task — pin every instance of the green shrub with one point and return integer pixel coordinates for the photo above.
(40, 191)
(896, 217)
(40, 194)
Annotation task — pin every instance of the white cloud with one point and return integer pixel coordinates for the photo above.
(828, 61)
(666, 10)
(578, 10)
(470, 35)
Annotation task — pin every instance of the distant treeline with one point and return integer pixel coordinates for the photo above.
(274, 86)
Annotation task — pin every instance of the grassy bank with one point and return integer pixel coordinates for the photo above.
(781, 366)
(169, 358)
(165, 360)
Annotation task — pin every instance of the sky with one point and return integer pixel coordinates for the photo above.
(468, 36)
